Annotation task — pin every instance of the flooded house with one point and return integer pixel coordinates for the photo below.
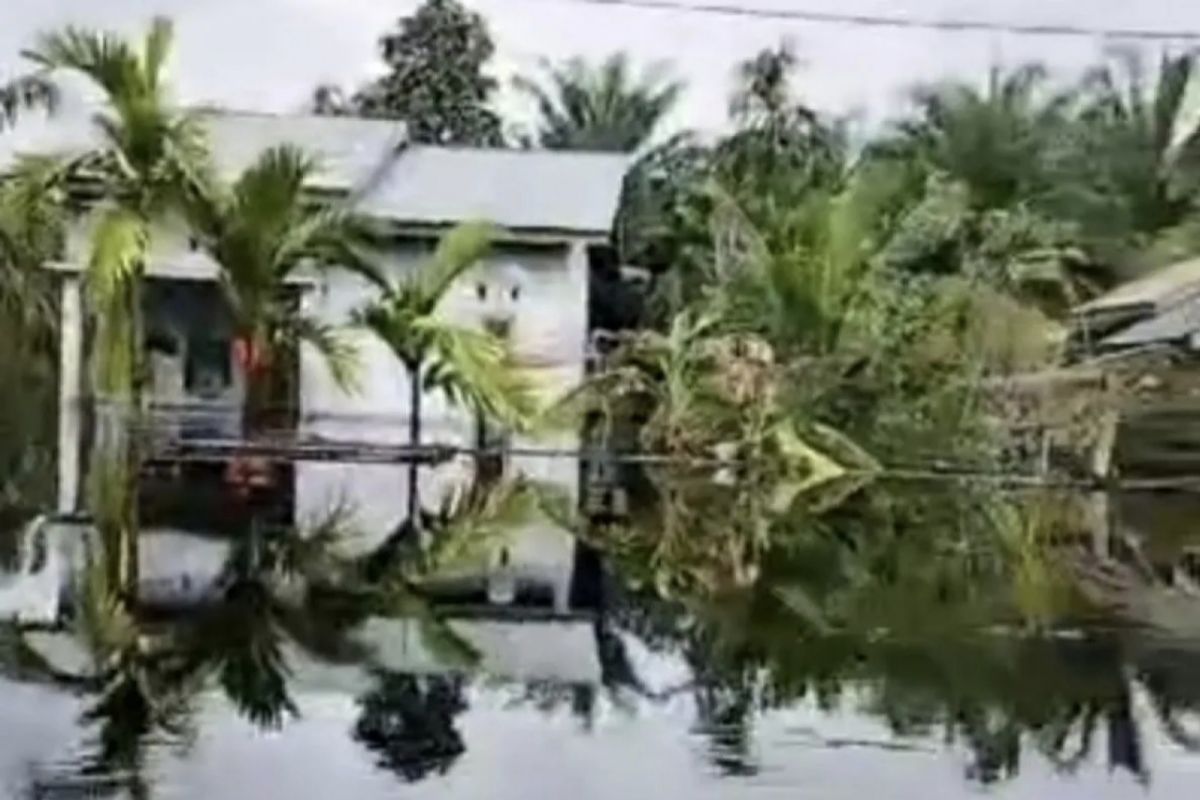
(553, 212)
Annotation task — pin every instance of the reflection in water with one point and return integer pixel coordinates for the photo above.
(949, 617)
(408, 722)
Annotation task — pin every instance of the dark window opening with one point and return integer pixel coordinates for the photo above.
(207, 369)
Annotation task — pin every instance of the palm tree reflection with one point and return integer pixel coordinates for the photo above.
(407, 721)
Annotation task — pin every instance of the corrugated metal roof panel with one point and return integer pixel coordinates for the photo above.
(566, 191)
(519, 189)
(1173, 325)
(349, 150)
(1160, 289)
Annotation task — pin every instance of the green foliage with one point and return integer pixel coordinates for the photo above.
(151, 150)
(781, 148)
(150, 155)
(604, 107)
(1027, 254)
(265, 232)
(993, 142)
(435, 82)
(32, 229)
(1133, 155)
(471, 367)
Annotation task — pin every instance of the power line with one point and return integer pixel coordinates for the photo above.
(910, 23)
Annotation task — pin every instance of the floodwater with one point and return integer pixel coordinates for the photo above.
(910, 645)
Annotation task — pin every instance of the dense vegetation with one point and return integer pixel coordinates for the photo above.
(819, 314)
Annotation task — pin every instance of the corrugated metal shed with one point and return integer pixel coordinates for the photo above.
(567, 192)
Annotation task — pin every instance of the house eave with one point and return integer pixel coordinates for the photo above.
(509, 235)
(200, 274)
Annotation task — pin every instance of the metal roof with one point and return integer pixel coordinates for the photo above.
(568, 192)
(349, 151)
(517, 189)
(1173, 325)
(1161, 289)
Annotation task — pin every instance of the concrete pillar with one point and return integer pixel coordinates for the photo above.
(70, 393)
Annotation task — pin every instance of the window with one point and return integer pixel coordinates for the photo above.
(207, 370)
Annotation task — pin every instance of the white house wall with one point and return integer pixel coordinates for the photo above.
(548, 312)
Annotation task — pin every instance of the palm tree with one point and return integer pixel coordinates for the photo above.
(262, 231)
(1137, 149)
(604, 107)
(782, 147)
(32, 232)
(469, 366)
(994, 141)
(148, 153)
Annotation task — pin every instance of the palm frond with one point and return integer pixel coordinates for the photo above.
(186, 154)
(460, 249)
(339, 352)
(332, 238)
(270, 188)
(601, 107)
(399, 599)
(243, 639)
(314, 549)
(472, 367)
(120, 241)
(105, 57)
(33, 221)
(473, 526)
(104, 622)
(156, 50)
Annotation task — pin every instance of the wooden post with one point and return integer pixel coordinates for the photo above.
(70, 393)
(1101, 469)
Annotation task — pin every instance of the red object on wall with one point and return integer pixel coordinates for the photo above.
(248, 473)
(249, 354)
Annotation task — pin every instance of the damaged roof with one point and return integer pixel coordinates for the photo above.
(1157, 291)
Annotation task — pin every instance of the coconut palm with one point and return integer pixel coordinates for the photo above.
(469, 366)
(148, 152)
(600, 107)
(262, 231)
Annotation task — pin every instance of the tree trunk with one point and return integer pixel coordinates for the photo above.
(255, 404)
(414, 440)
(126, 562)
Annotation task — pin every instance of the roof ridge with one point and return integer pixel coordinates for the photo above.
(519, 151)
(214, 109)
